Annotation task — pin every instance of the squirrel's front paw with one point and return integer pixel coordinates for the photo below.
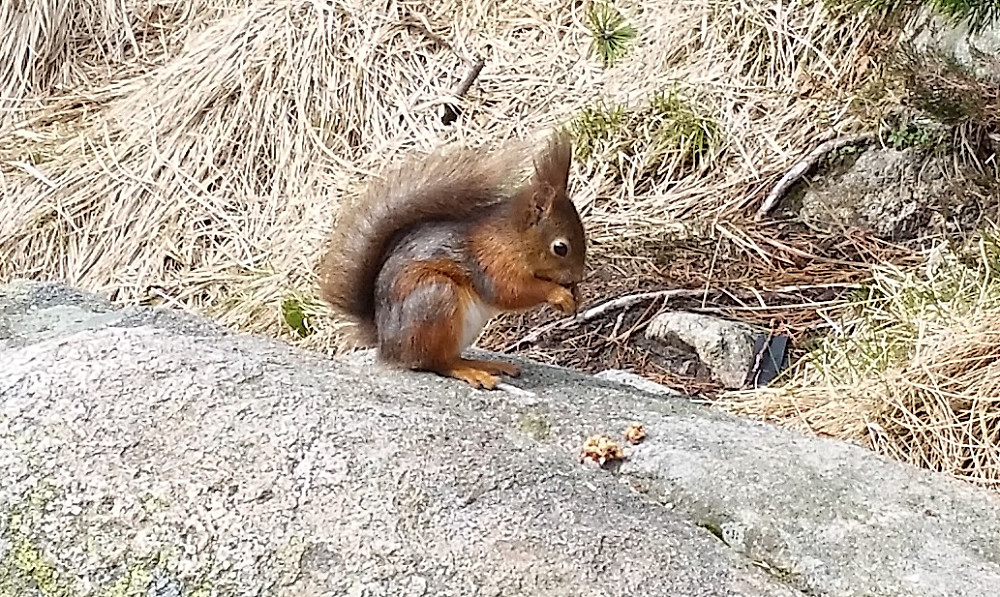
(562, 298)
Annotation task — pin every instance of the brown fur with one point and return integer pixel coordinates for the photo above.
(421, 273)
(437, 344)
(442, 188)
(508, 235)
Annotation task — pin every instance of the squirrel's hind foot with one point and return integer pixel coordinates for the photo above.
(480, 374)
(495, 367)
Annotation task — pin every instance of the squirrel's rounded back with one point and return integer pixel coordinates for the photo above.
(443, 187)
(459, 186)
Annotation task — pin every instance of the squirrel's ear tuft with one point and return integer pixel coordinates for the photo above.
(549, 182)
(536, 203)
(552, 166)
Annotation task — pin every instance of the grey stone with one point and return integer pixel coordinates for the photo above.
(898, 194)
(725, 347)
(140, 455)
(978, 53)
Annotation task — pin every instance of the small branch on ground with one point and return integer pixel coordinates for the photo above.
(802, 167)
(624, 302)
(596, 311)
(451, 110)
(470, 77)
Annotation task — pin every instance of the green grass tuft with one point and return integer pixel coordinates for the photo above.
(595, 128)
(979, 14)
(665, 138)
(612, 33)
(916, 133)
(680, 133)
(295, 316)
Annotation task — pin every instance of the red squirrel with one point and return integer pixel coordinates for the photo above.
(437, 248)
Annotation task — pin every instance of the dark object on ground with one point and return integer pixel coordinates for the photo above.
(770, 357)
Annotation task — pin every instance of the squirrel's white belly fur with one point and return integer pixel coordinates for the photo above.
(477, 314)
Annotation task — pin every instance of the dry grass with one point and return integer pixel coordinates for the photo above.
(213, 177)
(941, 409)
(938, 411)
(56, 49)
(914, 371)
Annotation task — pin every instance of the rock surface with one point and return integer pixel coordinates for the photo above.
(630, 378)
(977, 52)
(898, 194)
(723, 346)
(146, 452)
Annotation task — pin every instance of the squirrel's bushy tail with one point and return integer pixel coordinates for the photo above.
(452, 186)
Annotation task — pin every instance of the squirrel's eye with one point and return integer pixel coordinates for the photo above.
(560, 248)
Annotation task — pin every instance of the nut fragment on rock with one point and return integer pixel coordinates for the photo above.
(600, 450)
(635, 433)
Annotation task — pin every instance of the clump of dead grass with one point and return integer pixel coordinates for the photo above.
(941, 410)
(912, 370)
(52, 49)
(208, 175)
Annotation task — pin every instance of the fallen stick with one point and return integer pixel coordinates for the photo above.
(451, 110)
(803, 166)
(628, 300)
(470, 77)
(596, 311)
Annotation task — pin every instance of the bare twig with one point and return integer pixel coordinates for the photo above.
(808, 305)
(628, 300)
(470, 77)
(802, 167)
(596, 311)
(624, 302)
(451, 109)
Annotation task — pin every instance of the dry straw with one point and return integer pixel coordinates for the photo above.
(937, 411)
(209, 168)
(58, 49)
(911, 368)
(941, 410)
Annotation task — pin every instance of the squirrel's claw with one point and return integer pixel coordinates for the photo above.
(496, 367)
(481, 374)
